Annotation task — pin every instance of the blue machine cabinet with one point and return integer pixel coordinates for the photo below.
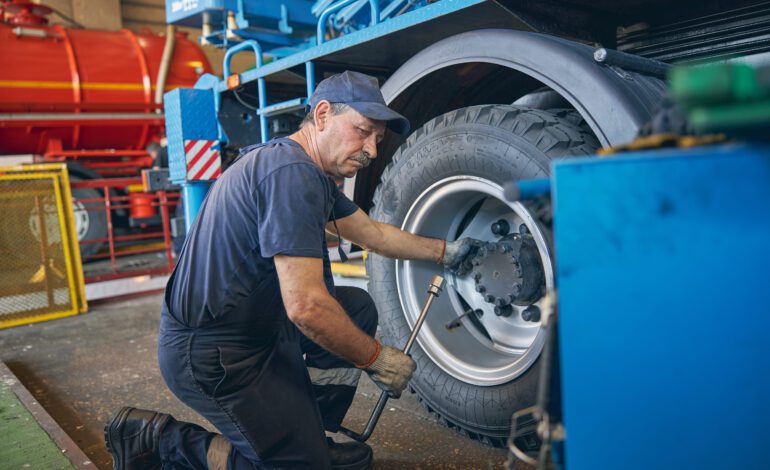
(664, 308)
(193, 145)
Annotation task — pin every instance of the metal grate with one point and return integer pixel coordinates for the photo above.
(38, 274)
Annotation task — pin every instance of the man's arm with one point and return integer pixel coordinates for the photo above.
(316, 313)
(387, 240)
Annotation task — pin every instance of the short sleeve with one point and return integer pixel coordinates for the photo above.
(291, 206)
(343, 206)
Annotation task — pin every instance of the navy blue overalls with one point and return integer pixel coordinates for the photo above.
(226, 347)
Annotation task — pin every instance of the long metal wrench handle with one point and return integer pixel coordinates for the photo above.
(436, 284)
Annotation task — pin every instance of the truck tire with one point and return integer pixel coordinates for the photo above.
(445, 182)
(90, 219)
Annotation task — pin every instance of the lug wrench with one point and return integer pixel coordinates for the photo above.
(436, 284)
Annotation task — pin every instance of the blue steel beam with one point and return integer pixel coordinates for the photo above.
(262, 92)
(371, 33)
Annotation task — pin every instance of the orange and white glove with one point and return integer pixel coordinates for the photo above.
(391, 370)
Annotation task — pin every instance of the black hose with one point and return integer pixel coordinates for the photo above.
(244, 103)
(632, 62)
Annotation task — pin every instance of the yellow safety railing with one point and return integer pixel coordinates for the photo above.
(41, 275)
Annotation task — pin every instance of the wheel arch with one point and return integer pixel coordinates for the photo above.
(499, 66)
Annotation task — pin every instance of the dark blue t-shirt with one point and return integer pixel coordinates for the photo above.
(273, 200)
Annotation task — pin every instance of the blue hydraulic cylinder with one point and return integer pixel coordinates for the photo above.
(193, 144)
(193, 194)
(664, 308)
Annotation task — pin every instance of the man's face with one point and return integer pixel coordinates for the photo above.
(351, 142)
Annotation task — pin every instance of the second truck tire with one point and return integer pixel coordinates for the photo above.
(495, 144)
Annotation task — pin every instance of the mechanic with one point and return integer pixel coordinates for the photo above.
(253, 334)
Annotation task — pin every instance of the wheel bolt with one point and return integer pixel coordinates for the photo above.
(481, 289)
(523, 229)
(501, 228)
(531, 313)
(489, 298)
(500, 302)
(504, 311)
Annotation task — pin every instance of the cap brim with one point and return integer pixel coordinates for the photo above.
(379, 112)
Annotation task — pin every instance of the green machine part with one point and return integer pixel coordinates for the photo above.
(726, 97)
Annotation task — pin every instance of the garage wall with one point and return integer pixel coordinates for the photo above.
(144, 13)
(97, 14)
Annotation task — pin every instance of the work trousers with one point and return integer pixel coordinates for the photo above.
(271, 394)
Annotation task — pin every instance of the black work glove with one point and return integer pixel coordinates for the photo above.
(458, 255)
(391, 370)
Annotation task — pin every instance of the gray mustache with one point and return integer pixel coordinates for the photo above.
(363, 159)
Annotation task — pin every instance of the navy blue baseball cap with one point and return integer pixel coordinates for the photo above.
(362, 93)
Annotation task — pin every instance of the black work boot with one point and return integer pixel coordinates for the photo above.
(349, 455)
(133, 437)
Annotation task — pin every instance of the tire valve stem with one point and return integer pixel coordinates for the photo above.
(457, 322)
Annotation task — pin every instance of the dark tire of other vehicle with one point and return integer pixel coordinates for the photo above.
(501, 143)
(90, 219)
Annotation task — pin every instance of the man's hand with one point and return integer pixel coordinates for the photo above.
(458, 254)
(391, 370)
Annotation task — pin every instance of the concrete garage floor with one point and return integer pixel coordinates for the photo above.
(83, 368)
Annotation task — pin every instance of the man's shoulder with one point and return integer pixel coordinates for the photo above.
(276, 154)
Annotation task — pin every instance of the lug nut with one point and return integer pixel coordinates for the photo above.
(489, 298)
(523, 229)
(501, 228)
(500, 302)
(509, 299)
(481, 289)
(504, 311)
(531, 313)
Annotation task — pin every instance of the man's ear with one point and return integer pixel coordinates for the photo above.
(321, 113)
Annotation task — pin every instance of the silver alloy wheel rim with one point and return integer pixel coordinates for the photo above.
(466, 353)
(82, 220)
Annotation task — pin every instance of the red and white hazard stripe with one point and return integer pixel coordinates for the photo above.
(203, 162)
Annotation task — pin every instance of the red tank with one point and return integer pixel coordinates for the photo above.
(78, 89)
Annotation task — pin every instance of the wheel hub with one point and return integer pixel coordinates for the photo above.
(509, 272)
(488, 349)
